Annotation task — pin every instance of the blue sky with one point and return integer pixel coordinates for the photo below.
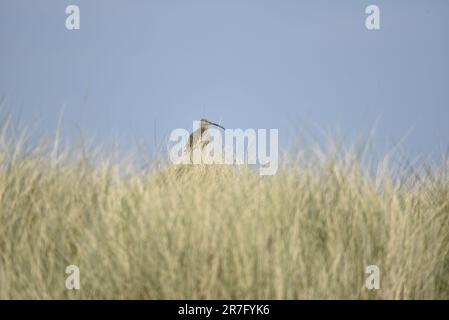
(247, 63)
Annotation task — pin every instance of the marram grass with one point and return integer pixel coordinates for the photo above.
(217, 232)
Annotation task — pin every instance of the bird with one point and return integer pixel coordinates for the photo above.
(200, 138)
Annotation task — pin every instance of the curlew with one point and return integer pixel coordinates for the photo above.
(200, 137)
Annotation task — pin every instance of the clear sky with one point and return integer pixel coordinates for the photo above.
(243, 63)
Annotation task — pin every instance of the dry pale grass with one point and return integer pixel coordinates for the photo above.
(216, 232)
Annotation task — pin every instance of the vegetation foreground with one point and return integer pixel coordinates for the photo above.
(218, 232)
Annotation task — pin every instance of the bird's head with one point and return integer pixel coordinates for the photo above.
(205, 123)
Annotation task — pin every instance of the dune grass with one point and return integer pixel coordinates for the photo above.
(215, 232)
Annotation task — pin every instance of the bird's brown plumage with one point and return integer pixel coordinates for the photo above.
(197, 136)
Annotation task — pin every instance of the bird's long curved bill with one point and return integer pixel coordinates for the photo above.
(217, 125)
